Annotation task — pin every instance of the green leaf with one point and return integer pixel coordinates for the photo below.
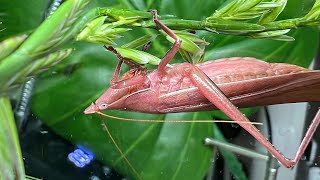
(295, 52)
(275, 35)
(13, 16)
(273, 13)
(245, 10)
(137, 56)
(98, 32)
(139, 42)
(313, 14)
(91, 28)
(38, 66)
(50, 34)
(9, 45)
(189, 43)
(10, 154)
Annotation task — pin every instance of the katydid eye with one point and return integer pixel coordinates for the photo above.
(103, 106)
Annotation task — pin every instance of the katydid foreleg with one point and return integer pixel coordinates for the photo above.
(118, 67)
(122, 60)
(212, 92)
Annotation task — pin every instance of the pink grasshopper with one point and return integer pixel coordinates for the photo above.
(214, 84)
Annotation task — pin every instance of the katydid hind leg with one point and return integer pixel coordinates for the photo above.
(211, 91)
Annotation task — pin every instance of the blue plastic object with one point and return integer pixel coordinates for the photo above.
(80, 158)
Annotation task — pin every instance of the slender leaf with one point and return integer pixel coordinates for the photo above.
(48, 35)
(139, 42)
(11, 166)
(9, 45)
(139, 57)
(274, 13)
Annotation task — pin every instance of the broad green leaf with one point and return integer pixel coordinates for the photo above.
(18, 17)
(299, 52)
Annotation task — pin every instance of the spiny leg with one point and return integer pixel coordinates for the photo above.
(118, 67)
(122, 60)
(170, 54)
(212, 92)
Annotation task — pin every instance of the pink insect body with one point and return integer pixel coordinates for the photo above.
(245, 81)
(220, 84)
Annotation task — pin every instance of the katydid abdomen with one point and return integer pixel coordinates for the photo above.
(245, 81)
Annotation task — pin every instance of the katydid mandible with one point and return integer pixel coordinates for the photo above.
(213, 85)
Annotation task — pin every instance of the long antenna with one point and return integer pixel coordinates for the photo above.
(174, 121)
(118, 148)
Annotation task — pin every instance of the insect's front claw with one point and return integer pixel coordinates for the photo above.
(154, 13)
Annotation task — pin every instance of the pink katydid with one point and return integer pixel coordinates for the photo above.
(214, 84)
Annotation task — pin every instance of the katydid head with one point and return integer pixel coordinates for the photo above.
(110, 97)
(115, 96)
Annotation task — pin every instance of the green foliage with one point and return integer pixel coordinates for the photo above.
(138, 56)
(10, 155)
(192, 47)
(97, 32)
(50, 34)
(36, 67)
(312, 18)
(10, 44)
(139, 41)
(247, 10)
(273, 13)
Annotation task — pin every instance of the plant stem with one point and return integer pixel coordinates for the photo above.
(218, 25)
(176, 24)
(283, 24)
